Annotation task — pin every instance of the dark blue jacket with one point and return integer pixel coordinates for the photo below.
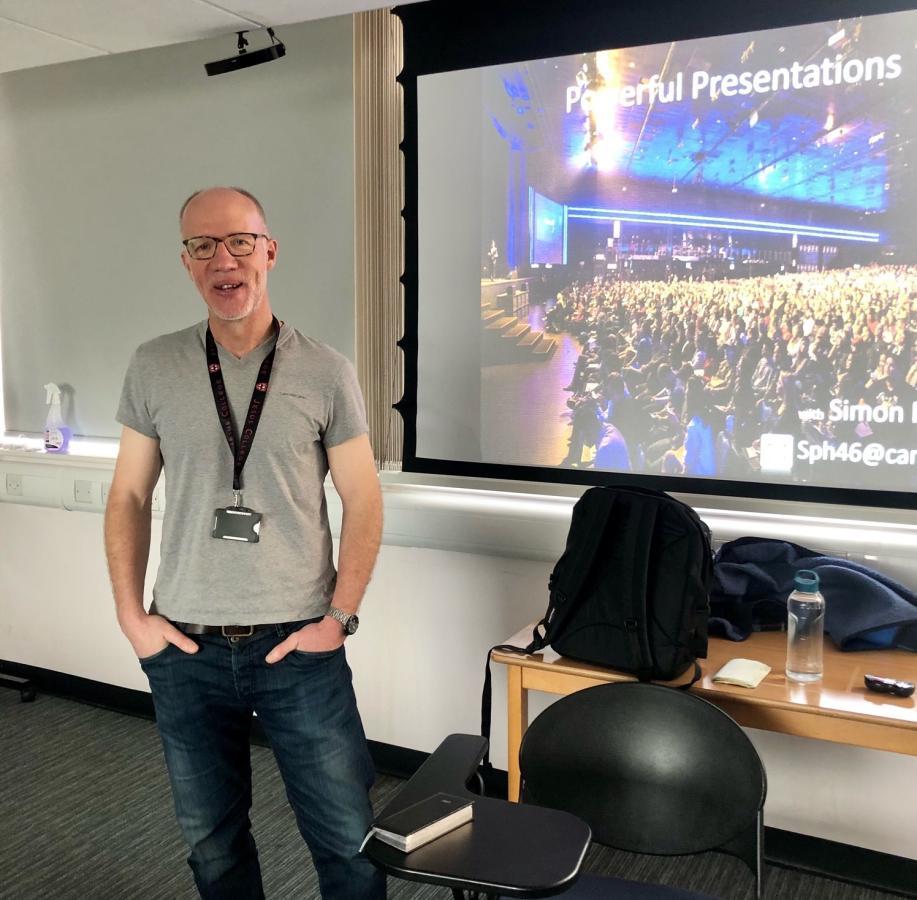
(864, 610)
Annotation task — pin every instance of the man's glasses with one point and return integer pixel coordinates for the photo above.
(204, 247)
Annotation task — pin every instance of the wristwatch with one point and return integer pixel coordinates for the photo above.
(350, 623)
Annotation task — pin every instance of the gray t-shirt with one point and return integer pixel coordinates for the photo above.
(314, 402)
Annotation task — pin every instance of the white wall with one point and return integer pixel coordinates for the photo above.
(428, 619)
(96, 158)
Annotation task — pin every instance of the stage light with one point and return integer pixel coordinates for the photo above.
(244, 59)
(645, 217)
(722, 221)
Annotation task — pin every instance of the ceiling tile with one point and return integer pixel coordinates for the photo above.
(22, 48)
(125, 24)
(285, 12)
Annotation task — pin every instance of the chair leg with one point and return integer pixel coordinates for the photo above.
(23, 685)
(759, 874)
(749, 847)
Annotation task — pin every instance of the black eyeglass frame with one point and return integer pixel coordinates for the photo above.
(222, 240)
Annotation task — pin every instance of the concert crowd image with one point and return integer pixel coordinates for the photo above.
(701, 258)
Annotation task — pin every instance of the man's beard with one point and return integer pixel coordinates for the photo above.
(243, 313)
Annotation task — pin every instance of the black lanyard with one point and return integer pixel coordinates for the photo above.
(240, 448)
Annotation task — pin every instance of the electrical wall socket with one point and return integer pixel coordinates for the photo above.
(14, 485)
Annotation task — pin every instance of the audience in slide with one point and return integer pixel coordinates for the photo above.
(704, 378)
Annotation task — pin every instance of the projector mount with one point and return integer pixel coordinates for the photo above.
(244, 58)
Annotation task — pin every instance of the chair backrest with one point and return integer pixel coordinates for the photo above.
(651, 769)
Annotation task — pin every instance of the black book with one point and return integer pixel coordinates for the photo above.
(422, 822)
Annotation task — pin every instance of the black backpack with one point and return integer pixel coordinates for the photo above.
(632, 589)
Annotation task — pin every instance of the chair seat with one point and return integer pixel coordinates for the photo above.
(600, 887)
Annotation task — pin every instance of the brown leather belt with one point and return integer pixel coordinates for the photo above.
(230, 631)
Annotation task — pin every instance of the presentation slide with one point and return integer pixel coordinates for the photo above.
(695, 259)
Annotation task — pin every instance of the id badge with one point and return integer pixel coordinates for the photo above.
(236, 523)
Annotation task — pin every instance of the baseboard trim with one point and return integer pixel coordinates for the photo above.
(845, 862)
(813, 855)
(85, 690)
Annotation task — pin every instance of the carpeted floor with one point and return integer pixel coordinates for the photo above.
(86, 814)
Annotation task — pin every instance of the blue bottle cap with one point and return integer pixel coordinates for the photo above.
(806, 581)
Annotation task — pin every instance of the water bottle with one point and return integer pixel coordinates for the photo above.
(805, 609)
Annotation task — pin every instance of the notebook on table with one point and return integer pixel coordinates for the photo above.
(422, 822)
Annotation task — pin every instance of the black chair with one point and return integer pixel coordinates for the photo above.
(652, 770)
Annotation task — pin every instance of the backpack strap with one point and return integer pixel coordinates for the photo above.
(577, 560)
(694, 679)
(636, 551)
(487, 692)
(595, 506)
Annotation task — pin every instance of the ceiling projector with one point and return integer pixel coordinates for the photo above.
(244, 59)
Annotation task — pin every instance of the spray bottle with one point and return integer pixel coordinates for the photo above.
(57, 435)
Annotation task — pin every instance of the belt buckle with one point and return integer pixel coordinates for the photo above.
(237, 631)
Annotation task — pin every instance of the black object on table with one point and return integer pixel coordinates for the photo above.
(507, 849)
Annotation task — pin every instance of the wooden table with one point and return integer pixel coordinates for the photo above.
(838, 708)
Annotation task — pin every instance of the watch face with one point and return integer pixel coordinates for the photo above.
(353, 623)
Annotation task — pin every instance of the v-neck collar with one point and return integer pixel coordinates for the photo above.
(228, 358)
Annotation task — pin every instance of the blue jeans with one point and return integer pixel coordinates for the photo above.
(306, 705)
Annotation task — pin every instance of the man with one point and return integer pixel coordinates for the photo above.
(249, 614)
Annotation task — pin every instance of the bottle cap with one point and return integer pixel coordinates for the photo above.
(806, 581)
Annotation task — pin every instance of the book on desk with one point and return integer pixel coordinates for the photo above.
(422, 822)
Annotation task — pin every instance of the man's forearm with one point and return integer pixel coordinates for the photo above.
(361, 533)
(127, 547)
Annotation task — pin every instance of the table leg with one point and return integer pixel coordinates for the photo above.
(517, 708)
